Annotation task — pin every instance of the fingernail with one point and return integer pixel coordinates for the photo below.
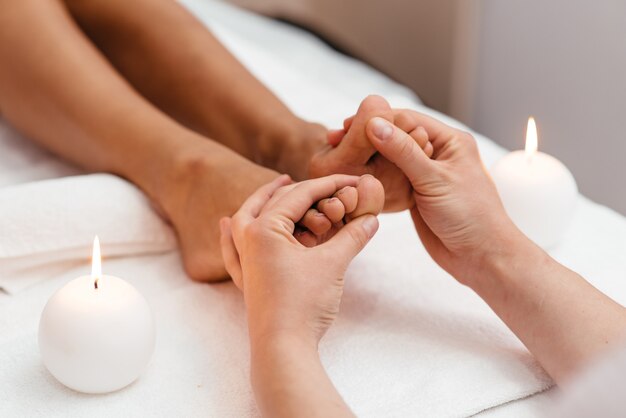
(370, 225)
(382, 129)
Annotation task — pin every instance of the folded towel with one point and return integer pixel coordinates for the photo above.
(52, 223)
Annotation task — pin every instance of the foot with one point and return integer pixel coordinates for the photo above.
(204, 187)
(288, 148)
(329, 215)
(349, 151)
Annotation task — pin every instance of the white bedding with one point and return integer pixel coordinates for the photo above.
(409, 340)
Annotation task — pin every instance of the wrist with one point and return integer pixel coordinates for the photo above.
(274, 335)
(511, 256)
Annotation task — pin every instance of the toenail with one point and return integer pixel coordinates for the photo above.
(382, 129)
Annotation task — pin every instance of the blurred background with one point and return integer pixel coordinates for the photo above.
(492, 63)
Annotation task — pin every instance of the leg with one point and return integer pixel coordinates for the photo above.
(58, 89)
(174, 61)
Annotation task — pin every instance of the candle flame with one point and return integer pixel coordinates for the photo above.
(531, 137)
(96, 262)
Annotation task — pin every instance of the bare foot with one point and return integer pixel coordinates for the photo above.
(324, 220)
(200, 191)
(349, 151)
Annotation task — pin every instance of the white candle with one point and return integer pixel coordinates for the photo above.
(96, 333)
(538, 192)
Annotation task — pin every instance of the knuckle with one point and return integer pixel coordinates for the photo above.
(404, 121)
(254, 231)
(469, 140)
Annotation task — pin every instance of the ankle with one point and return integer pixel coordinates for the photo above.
(288, 148)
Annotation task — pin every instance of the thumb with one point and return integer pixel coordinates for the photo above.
(352, 237)
(399, 148)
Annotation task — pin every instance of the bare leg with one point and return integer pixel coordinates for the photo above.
(58, 89)
(174, 61)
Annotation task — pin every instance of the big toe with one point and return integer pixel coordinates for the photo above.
(371, 197)
(355, 148)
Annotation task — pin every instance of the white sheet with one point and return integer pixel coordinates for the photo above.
(409, 340)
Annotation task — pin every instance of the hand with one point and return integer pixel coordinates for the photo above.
(289, 288)
(458, 214)
(350, 152)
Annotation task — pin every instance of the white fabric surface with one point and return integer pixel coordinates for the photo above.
(409, 340)
(59, 228)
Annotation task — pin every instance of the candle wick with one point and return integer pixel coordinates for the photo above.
(95, 283)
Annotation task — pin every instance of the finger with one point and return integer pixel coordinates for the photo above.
(316, 222)
(349, 197)
(333, 209)
(438, 132)
(352, 238)
(296, 202)
(278, 193)
(229, 253)
(253, 205)
(347, 122)
(403, 119)
(399, 148)
(334, 136)
(420, 136)
(429, 150)
(371, 197)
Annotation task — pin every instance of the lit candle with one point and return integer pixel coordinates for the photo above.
(96, 333)
(538, 192)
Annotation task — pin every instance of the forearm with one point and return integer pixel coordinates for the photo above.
(173, 60)
(289, 380)
(562, 319)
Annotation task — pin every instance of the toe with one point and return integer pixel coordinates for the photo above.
(349, 197)
(334, 136)
(371, 197)
(316, 222)
(429, 150)
(420, 136)
(306, 238)
(333, 209)
(355, 147)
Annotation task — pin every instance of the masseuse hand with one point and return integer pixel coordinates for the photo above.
(458, 214)
(290, 287)
(348, 151)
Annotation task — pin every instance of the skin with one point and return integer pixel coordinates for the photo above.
(278, 277)
(349, 151)
(170, 110)
(564, 321)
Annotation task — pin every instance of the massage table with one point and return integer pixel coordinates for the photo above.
(409, 340)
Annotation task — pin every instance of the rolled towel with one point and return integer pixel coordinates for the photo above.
(53, 223)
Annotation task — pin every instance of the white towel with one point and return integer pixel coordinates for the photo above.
(409, 340)
(48, 226)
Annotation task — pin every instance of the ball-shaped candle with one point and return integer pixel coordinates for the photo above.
(96, 334)
(538, 192)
